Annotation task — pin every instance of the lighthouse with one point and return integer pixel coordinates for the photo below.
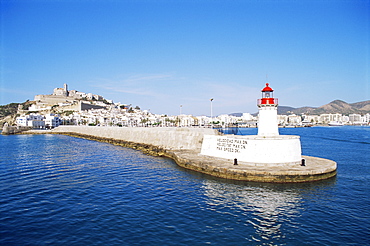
(267, 115)
(267, 156)
(267, 147)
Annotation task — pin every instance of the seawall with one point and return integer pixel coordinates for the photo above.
(183, 145)
(169, 138)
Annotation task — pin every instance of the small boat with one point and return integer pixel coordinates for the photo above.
(335, 123)
(290, 126)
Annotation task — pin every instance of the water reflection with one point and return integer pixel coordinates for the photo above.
(269, 211)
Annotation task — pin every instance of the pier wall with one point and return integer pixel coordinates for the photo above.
(169, 138)
(273, 150)
(184, 145)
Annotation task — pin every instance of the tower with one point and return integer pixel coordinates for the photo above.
(65, 90)
(267, 115)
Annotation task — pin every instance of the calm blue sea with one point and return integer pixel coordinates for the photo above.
(60, 190)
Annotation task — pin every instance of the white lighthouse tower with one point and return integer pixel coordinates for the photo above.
(267, 116)
(267, 156)
(267, 147)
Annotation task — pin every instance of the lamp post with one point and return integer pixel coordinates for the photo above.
(211, 113)
(180, 116)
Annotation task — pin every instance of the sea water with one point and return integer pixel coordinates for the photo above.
(61, 190)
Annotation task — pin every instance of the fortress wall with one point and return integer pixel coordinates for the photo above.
(165, 137)
(86, 106)
(52, 99)
(74, 107)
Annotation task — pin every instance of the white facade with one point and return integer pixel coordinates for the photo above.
(355, 118)
(367, 118)
(310, 119)
(52, 120)
(40, 107)
(22, 120)
(327, 118)
(36, 124)
(31, 120)
(247, 117)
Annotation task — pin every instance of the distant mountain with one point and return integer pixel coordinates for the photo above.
(336, 106)
(363, 106)
(237, 114)
(285, 109)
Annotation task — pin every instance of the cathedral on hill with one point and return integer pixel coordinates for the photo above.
(68, 100)
(61, 91)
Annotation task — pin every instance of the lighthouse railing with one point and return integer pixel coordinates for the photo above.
(267, 101)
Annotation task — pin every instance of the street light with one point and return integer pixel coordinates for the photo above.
(211, 113)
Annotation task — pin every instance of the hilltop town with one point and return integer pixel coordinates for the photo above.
(71, 107)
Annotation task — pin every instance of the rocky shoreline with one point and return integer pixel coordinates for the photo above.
(8, 130)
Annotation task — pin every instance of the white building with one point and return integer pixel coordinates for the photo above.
(355, 119)
(367, 118)
(31, 120)
(52, 120)
(38, 107)
(327, 118)
(310, 119)
(247, 117)
(294, 120)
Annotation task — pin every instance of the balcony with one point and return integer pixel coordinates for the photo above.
(267, 101)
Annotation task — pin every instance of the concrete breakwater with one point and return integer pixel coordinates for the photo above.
(183, 145)
(169, 138)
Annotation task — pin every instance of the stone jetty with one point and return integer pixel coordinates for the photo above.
(184, 145)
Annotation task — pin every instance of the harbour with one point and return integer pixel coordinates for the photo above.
(184, 123)
(265, 157)
(62, 190)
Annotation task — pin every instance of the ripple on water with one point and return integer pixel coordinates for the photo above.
(70, 191)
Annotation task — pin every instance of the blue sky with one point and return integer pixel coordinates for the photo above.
(163, 54)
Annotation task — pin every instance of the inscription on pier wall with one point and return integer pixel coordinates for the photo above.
(231, 145)
(225, 147)
(255, 150)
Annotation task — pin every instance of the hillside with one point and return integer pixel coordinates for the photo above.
(8, 112)
(337, 106)
(364, 106)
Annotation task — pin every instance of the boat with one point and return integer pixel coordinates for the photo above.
(335, 123)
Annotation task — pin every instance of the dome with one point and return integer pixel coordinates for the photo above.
(267, 88)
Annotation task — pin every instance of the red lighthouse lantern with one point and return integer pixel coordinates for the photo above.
(267, 96)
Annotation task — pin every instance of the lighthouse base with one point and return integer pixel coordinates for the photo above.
(315, 168)
(272, 150)
(257, 158)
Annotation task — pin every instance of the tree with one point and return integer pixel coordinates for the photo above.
(144, 121)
